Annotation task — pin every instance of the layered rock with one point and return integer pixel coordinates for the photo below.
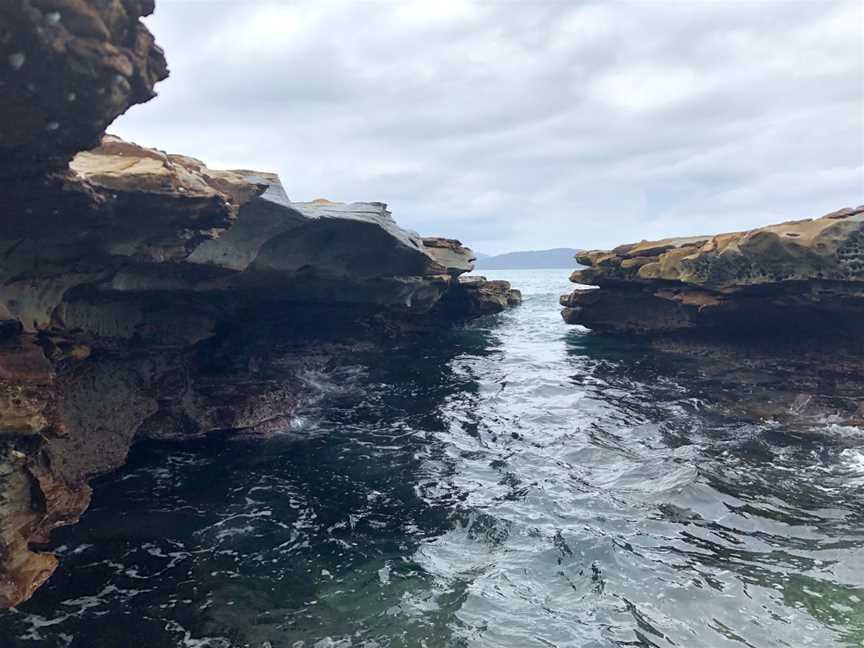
(155, 233)
(476, 296)
(127, 312)
(786, 282)
(144, 295)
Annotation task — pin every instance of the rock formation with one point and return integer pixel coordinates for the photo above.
(68, 68)
(788, 282)
(779, 306)
(477, 296)
(143, 295)
(154, 232)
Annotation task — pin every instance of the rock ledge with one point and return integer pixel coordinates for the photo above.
(801, 278)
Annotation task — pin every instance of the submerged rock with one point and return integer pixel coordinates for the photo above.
(787, 281)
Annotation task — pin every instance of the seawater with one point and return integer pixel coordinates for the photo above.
(512, 483)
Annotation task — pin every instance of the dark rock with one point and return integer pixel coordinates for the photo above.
(68, 68)
(475, 296)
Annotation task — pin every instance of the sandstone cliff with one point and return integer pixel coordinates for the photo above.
(144, 295)
(160, 249)
(788, 282)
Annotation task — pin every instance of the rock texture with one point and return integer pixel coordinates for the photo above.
(165, 249)
(68, 68)
(144, 295)
(476, 296)
(128, 302)
(787, 282)
(68, 415)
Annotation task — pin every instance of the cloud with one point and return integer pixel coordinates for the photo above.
(525, 125)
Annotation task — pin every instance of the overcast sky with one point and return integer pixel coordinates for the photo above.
(517, 124)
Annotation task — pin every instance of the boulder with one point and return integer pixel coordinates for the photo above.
(450, 254)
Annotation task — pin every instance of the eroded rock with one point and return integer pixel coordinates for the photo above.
(68, 68)
(450, 254)
(802, 278)
(136, 326)
(165, 250)
(63, 422)
(476, 296)
(146, 296)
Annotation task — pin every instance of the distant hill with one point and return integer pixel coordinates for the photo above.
(554, 258)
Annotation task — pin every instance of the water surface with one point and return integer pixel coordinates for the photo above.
(513, 483)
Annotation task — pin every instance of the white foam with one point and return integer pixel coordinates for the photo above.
(853, 461)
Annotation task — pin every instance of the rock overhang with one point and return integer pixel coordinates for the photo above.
(803, 277)
(145, 295)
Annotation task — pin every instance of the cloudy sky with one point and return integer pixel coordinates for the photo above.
(525, 124)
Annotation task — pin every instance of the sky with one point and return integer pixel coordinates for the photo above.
(525, 124)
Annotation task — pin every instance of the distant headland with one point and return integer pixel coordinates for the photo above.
(525, 259)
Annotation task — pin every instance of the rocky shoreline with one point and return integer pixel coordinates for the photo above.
(781, 282)
(146, 296)
(782, 304)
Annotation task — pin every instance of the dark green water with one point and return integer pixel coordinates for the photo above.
(514, 483)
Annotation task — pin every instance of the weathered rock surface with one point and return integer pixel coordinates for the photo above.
(450, 255)
(774, 315)
(68, 68)
(70, 418)
(165, 249)
(128, 294)
(144, 295)
(787, 281)
(477, 296)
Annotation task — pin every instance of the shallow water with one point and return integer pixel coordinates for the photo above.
(513, 483)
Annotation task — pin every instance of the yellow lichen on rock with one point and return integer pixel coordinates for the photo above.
(802, 274)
